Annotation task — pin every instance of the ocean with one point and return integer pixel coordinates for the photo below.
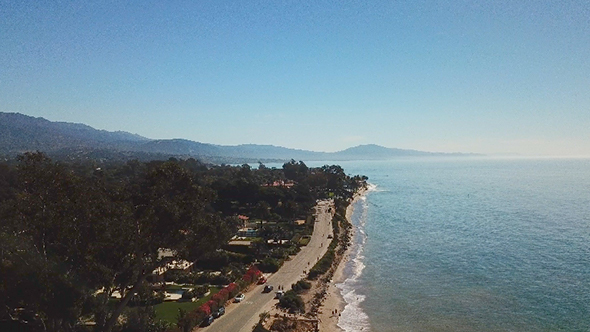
(470, 244)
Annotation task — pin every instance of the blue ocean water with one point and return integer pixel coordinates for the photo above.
(470, 244)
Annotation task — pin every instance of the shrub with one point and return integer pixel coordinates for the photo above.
(205, 309)
(174, 275)
(323, 265)
(252, 274)
(292, 302)
(260, 328)
(200, 291)
(213, 306)
(233, 289)
(300, 286)
(270, 265)
(221, 297)
(211, 278)
(188, 295)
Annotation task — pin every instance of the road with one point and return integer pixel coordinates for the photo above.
(243, 316)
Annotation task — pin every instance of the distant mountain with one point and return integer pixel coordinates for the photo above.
(20, 133)
(373, 151)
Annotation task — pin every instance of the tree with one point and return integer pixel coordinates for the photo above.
(80, 238)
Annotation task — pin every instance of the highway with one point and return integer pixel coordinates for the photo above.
(241, 317)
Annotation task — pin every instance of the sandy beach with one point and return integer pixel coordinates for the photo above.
(334, 303)
(327, 311)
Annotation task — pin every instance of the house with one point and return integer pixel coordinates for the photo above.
(247, 232)
(243, 220)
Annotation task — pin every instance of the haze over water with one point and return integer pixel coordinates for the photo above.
(471, 245)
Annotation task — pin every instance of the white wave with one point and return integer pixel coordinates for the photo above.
(371, 187)
(353, 318)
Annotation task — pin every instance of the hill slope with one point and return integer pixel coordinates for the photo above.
(20, 133)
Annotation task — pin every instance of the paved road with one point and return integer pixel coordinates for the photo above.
(243, 316)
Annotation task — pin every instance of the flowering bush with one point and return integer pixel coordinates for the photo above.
(232, 289)
(252, 274)
(221, 297)
(212, 304)
(205, 309)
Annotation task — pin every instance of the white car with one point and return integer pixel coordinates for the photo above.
(239, 298)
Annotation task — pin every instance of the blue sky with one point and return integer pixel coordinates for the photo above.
(468, 76)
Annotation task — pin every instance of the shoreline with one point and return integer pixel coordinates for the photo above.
(328, 320)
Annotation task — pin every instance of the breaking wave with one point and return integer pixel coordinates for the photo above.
(353, 317)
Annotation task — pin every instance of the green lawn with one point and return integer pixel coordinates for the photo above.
(304, 241)
(168, 311)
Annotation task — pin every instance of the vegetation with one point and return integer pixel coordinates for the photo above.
(339, 220)
(300, 286)
(168, 311)
(73, 234)
(292, 302)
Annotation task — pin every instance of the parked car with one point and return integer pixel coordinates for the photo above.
(208, 320)
(279, 294)
(218, 312)
(262, 280)
(267, 289)
(239, 298)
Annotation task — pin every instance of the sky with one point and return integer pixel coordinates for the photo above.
(488, 77)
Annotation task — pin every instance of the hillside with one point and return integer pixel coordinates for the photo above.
(20, 133)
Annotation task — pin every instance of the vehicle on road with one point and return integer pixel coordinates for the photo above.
(208, 320)
(218, 312)
(279, 294)
(262, 280)
(267, 289)
(239, 298)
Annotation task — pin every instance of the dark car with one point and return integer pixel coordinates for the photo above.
(208, 320)
(218, 312)
(267, 289)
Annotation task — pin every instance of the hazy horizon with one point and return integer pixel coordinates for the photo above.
(440, 76)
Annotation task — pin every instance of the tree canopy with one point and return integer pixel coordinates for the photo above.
(74, 233)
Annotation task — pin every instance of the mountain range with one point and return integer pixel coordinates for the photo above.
(20, 133)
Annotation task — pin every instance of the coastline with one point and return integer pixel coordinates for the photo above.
(329, 318)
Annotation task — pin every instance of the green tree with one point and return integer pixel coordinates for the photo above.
(73, 236)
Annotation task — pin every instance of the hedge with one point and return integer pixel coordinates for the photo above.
(194, 318)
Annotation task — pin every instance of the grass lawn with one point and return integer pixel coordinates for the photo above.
(168, 311)
(304, 241)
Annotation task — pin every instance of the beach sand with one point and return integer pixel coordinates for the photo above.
(334, 300)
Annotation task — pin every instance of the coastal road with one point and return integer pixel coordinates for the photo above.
(241, 317)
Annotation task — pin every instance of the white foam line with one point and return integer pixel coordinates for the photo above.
(353, 317)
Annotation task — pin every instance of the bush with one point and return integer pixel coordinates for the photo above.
(292, 302)
(146, 298)
(221, 297)
(323, 265)
(269, 265)
(233, 289)
(300, 286)
(175, 275)
(259, 328)
(211, 278)
(200, 291)
(252, 274)
(188, 295)
(142, 319)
